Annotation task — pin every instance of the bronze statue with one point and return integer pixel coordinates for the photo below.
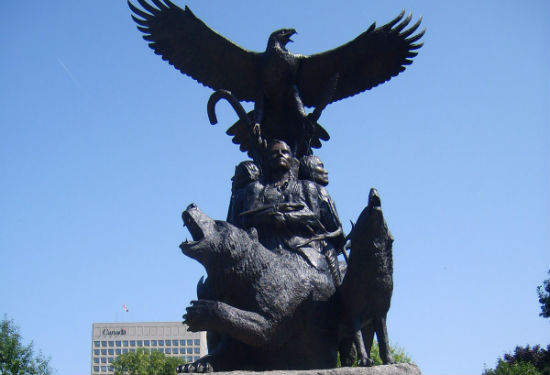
(276, 296)
(290, 214)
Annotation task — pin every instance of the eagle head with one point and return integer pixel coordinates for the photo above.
(280, 38)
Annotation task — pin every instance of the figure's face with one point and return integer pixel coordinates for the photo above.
(320, 174)
(238, 181)
(280, 156)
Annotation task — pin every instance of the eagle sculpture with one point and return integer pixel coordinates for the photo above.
(279, 82)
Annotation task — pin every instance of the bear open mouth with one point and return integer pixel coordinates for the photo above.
(193, 226)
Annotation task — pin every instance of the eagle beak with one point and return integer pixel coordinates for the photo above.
(290, 33)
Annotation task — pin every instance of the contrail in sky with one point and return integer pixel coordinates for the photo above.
(72, 78)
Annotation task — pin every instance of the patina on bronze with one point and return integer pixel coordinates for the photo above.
(276, 296)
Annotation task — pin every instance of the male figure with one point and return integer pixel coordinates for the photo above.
(289, 214)
(312, 168)
(245, 172)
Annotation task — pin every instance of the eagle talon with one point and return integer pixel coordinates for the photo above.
(256, 130)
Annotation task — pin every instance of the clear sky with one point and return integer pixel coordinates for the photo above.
(103, 145)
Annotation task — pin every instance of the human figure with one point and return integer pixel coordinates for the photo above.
(312, 168)
(245, 172)
(289, 214)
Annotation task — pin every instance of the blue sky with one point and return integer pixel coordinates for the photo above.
(104, 144)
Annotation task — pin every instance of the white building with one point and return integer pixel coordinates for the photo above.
(109, 340)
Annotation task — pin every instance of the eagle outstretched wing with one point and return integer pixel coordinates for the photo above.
(372, 58)
(196, 50)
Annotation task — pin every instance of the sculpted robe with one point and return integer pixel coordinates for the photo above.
(299, 216)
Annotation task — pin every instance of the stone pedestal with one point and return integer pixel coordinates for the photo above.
(397, 369)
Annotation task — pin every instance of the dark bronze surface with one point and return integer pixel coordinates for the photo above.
(276, 296)
(279, 82)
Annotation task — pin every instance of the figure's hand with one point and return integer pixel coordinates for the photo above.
(277, 218)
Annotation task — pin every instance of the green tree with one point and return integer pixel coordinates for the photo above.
(399, 355)
(514, 368)
(16, 358)
(528, 360)
(544, 298)
(146, 363)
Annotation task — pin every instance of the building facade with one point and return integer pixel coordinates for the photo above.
(109, 340)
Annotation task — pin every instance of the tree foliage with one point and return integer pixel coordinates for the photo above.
(16, 358)
(146, 363)
(514, 368)
(525, 360)
(528, 360)
(544, 297)
(399, 355)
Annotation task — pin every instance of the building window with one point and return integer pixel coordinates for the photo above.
(189, 359)
(146, 343)
(175, 342)
(119, 343)
(111, 352)
(103, 351)
(103, 368)
(110, 359)
(168, 343)
(153, 342)
(117, 352)
(161, 342)
(140, 343)
(96, 368)
(96, 360)
(96, 344)
(197, 351)
(161, 350)
(182, 343)
(111, 343)
(103, 359)
(197, 342)
(103, 343)
(125, 343)
(124, 351)
(189, 350)
(168, 351)
(96, 351)
(132, 343)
